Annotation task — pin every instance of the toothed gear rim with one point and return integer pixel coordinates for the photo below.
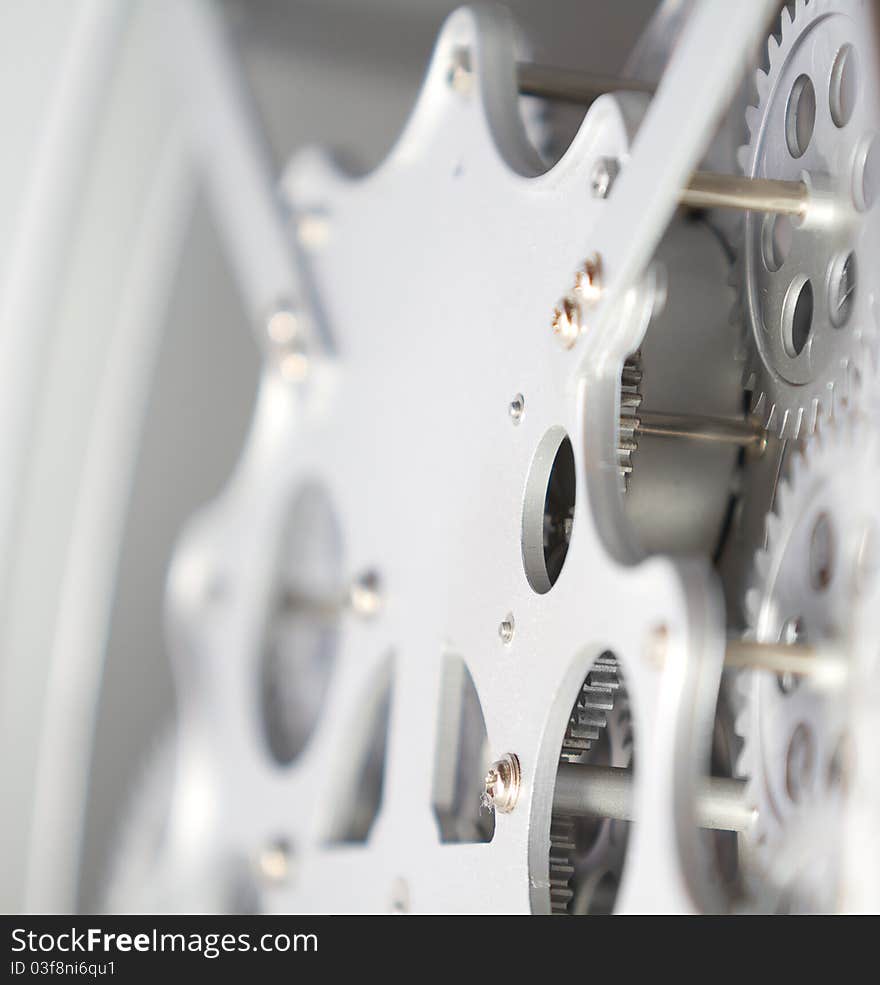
(805, 345)
(601, 706)
(630, 401)
(803, 590)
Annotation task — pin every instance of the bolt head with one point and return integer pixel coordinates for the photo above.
(657, 646)
(588, 281)
(274, 862)
(365, 594)
(603, 176)
(502, 784)
(287, 343)
(567, 322)
(517, 408)
(460, 75)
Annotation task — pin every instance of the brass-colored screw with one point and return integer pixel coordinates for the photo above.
(569, 316)
(588, 281)
(567, 321)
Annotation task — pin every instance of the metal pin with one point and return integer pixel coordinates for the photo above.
(296, 602)
(607, 791)
(363, 597)
(717, 430)
(729, 191)
(705, 190)
(824, 665)
(571, 86)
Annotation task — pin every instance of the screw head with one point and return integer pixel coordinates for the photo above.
(603, 175)
(502, 784)
(567, 321)
(287, 344)
(313, 229)
(460, 75)
(517, 408)
(365, 594)
(588, 281)
(506, 629)
(274, 862)
(657, 646)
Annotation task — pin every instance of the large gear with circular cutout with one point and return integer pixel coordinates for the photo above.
(806, 581)
(809, 321)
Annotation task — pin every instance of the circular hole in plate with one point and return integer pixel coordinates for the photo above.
(800, 116)
(797, 316)
(844, 87)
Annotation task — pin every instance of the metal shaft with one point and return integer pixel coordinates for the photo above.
(825, 665)
(729, 191)
(570, 86)
(607, 791)
(717, 430)
(705, 190)
(295, 602)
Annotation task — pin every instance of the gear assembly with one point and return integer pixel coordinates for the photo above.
(546, 579)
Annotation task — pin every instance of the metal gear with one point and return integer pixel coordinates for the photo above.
(805, 584)
(630, 401)
(808, 321)
(585, 856)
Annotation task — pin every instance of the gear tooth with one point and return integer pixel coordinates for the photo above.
(752, 605)
(772, 51)
(783, 488)
(771, 535)
(785, 17)
(743, 767)
(762, 559)
(742, 720)
(813, 415)
(759, 404)
(783, 423)
(749, 381)
(853, 383)
(753, 114)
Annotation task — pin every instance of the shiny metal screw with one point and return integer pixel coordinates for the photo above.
(502, 783)
(657, 647)
(588, 281)
(460, 76)
(274, 862)
(567, 324)
(603, 176)
(517, 408)
(365, 594)
(287, 343)
(506, 629)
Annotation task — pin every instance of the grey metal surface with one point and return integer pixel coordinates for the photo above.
(339, 73)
